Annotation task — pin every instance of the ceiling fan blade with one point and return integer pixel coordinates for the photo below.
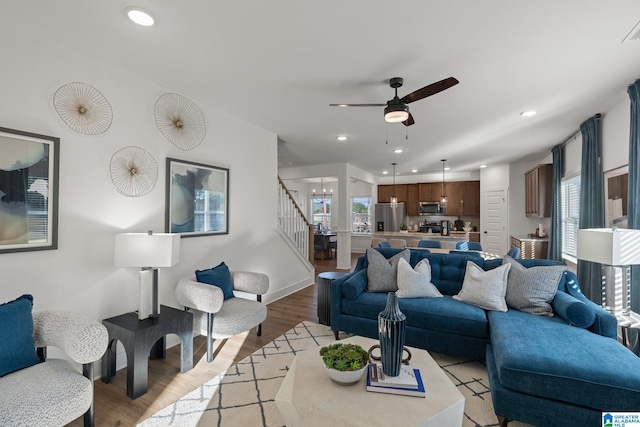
(431, 89)
(357, 105)
(409, 121)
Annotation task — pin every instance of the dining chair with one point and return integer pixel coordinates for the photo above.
(384, 244)
(332, 246)
(398, 243)
(320, 244)
(375, 241)
(429, 244)
(514, 252)
(469, 246)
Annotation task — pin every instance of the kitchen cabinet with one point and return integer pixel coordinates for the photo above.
(412, 199)
(386, 191)
(531, 247)
(429, 191)
(471, 198)
(538, 191)
(454, 199)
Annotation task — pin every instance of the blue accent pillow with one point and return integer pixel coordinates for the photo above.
(217, 276)
(355, 285)
(573, 311)
(17, 348)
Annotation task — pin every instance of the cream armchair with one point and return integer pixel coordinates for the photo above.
(54, 392)
(218, 319)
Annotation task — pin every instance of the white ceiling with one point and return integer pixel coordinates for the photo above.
(279, 64)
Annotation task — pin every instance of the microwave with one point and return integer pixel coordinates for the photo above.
(430, 208)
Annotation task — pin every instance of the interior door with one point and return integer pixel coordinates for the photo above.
(494, 222)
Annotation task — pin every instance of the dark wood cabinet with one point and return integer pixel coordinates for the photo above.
(617, 188)
(471, 198)
(454, 199)
(538, 191)
(429, 191)
(412, 199)
(531, 248)
(386, 191)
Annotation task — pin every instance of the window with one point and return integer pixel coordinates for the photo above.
(570, 197)
(361, 214)
(321, 209)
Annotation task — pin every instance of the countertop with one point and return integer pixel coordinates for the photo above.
(530, 238)
(436, 236)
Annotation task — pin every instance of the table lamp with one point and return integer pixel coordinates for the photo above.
(148, 251)
(614, 248)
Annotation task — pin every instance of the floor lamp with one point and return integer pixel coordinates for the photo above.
(147, 251)
(616, 249)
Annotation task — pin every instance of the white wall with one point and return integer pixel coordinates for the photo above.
(80, 275)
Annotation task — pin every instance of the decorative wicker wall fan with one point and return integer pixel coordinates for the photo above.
(134, 172)
(180, 120)
(83, 108)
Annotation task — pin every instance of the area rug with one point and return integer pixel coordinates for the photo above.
(244, 394)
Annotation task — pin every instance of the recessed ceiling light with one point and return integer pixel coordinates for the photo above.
(140, 16)
(414, 170)
(398, 150)
(483, 166)
(528, 113)
(341, 138)
(385, 172)
(342, 105)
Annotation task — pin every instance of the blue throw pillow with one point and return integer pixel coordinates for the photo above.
(17, 349)
(355, 285)
(573, 311)
(217, 276)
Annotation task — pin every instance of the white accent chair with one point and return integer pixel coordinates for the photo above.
(219, 319)
(54, 392)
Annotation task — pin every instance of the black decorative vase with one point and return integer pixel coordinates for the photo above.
(391, 331)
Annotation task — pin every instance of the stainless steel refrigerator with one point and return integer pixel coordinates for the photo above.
(388, 218)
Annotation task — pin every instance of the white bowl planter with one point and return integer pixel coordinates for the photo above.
(346, 377)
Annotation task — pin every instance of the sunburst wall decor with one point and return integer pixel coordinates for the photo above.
(134, 172)
(180, 120)
(83, 108)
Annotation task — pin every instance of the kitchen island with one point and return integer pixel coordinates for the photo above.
(448, 242)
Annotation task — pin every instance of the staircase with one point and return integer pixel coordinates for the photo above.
(293, 223)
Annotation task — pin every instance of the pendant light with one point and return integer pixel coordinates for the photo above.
(394, 199)
(443, 198)
(324, 195)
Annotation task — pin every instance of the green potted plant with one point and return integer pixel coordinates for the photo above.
(403, 228)
(345, 363)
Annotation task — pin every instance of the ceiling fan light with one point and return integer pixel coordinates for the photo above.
(396, 113)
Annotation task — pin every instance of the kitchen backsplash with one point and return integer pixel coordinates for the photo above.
(413, 222)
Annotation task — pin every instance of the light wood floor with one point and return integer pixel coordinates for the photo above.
(166, 384)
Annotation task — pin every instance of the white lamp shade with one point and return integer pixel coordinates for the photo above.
(147, 250)
(615, 247)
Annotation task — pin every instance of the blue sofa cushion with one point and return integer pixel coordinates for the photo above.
(17, 348)
(219, 276)
(355, 285)
(447, 271)
(437, 314)
(547, 357)
(573, 311)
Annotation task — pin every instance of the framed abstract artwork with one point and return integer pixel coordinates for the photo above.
(197, 199)
(29, 169)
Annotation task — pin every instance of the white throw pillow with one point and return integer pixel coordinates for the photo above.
(485, 289)
(415, 283)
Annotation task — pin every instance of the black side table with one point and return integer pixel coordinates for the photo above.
(145, 339)
(324, 302)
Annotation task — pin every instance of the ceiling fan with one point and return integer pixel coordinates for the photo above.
(396, 109)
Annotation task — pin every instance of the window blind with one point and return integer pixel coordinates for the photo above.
(570, 194)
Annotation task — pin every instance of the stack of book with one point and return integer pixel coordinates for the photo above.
(408, 383)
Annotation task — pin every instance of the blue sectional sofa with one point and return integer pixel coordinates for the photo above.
(563, 370)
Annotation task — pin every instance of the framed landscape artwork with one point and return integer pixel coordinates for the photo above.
(616, 184)
(28, 191)
(197, 199)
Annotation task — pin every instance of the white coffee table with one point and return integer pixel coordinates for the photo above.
(308, 397)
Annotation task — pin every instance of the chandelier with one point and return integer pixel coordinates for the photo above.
(324, 195)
